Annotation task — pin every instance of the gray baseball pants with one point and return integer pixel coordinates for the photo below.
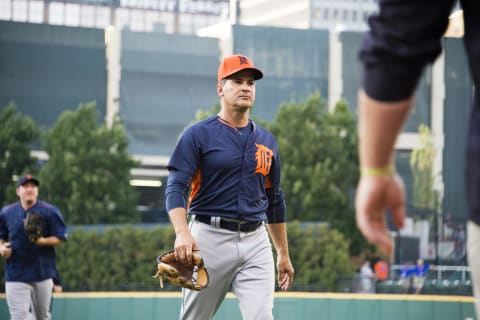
(238, 261)
(22, 295)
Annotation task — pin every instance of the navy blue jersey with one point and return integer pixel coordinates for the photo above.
(29, 262)
(228, 177)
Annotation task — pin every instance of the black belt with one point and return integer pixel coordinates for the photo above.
(241, 226)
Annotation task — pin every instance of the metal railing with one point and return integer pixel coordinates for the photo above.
(461, 273)
(440, 280)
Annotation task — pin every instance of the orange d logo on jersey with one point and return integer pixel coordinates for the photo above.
(264, 157)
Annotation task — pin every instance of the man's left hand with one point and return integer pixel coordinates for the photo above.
(285, 272)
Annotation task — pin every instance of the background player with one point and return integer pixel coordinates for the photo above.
(30, 267)
(233, 167)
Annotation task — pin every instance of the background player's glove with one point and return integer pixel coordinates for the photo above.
(33, 226)
(194, 277)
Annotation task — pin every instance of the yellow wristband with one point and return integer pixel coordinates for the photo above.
(377, 172)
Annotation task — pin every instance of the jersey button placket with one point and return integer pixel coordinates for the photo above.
(241, 185)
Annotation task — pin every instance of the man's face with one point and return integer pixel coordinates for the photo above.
(238, 90)
(28, 193)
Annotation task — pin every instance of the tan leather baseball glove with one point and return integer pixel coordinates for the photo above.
(194, 277)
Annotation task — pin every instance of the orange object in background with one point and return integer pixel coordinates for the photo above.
(381, 270)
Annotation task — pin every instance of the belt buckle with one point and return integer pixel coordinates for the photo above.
(239, 226)
(215, 221)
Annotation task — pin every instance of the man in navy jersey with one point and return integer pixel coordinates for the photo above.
(30, 267)
(232, 167)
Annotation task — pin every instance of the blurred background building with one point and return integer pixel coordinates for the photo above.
(170, 16)
(187, 16)
(304, 14)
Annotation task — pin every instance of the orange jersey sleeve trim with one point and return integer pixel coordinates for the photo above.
(195, 186)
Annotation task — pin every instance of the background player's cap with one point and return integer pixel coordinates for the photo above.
(235, 63)
(27, 178)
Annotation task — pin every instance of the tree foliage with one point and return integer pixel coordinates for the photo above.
(122, 258)
(88, 171)
(17, 133)
(318, 150)
(204, 114)
(320, 255)
(421, 163)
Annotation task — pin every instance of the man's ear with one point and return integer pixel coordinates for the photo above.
(219, 89)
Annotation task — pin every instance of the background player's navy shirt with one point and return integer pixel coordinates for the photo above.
(29, 262)
(228, 178)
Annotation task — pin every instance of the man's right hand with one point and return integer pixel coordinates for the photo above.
(376, 195)
(5, 250)
(185, 244)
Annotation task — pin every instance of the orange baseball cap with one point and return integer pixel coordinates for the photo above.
(235, 63)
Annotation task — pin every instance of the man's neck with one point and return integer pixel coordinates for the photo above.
(236, 119)
(27, 204)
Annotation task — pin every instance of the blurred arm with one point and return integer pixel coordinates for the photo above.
(379, 125)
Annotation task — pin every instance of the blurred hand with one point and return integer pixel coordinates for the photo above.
(374, 196)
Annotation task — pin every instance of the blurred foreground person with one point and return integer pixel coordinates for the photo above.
(404, 37)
